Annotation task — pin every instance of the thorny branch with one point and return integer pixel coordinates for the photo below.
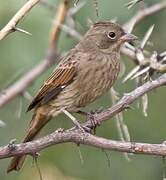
(51, 56)
(141, 15)
(76, 136)
(147, 63)
(11, 26)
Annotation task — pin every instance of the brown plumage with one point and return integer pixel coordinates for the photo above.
(84, 74)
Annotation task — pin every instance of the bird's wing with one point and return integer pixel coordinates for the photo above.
(59, 79)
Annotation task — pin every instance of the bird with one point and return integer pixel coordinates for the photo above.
(85, 73)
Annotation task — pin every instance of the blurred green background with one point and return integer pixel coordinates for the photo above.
(19, 53)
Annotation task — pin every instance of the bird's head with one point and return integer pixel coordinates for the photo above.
(107, 37)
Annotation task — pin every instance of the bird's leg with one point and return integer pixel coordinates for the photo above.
(90, 117)
(74, 120)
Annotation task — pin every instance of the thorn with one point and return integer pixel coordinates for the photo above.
(147, 36)
(140, 56)
(163, 54)
(140, 72)
(132, 3)
(131, 73)
(76, 8)
(22, 31)
(129, 46)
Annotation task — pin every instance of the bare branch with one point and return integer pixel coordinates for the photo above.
(11, 26)
(59, 19)
(76, 136)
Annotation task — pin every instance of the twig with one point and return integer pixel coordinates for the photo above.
(59, 19)
(76, 136)
(11, 26)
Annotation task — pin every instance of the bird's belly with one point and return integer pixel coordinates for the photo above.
(96, 85)
(87, 87)
(66, 99)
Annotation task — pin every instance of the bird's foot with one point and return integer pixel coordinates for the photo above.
(90, 116)
(82, 128)
(75, 122)
(93, 120)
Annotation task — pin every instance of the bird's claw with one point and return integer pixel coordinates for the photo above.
(93, 120)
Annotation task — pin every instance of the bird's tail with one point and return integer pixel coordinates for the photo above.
(39, 119)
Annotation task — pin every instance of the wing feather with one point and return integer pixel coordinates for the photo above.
(59, 79)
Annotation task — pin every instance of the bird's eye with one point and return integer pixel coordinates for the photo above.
(112, 35)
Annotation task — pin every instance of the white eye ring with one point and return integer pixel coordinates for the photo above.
(112, 35)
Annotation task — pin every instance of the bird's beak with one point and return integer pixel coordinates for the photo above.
(127, 37)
